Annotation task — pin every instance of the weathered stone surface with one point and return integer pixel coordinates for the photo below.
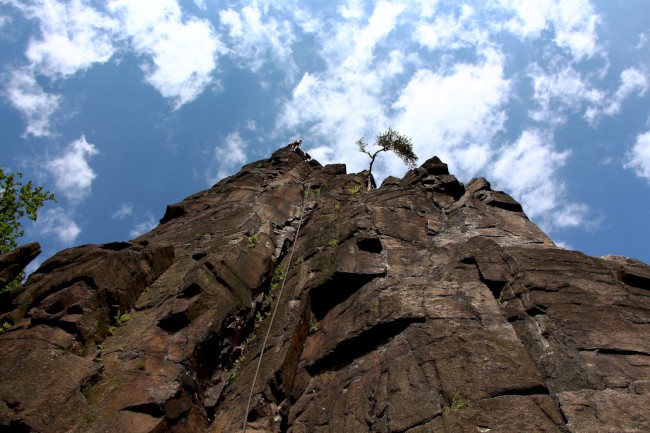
(424, 305)
(13, 262)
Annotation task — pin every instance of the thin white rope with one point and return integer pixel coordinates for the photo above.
(303, 208)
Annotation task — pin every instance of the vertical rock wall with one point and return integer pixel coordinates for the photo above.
(424, 305)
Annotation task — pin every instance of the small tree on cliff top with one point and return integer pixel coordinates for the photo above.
(393, 141)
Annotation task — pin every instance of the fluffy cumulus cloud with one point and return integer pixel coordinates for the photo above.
(72, 174)
(564, 91)
(575, 27)
(574, 23)
(255, 37)
(228, 156)
(73, 36)
(638, 158)
(561, 92)
(633, 82)
(58, 223)
(528, 169)
(181, 51)
(530, 17)
(354, 81)
(28, 97)
(456, 114)
(452, 30)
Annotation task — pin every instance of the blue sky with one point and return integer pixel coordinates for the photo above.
(120, 107)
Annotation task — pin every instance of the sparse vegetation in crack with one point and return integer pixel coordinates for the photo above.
(354, 190)
(313, 326)
(456, 402)
(120, 319)
(252, 241)
(5, 327)
(236, 368)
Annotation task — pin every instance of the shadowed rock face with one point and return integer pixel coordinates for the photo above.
(13, 262)
(424, 305)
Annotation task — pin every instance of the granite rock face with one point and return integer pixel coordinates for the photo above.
(424, 305)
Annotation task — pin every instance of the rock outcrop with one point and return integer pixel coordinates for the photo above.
(13, 262)
(424, 305)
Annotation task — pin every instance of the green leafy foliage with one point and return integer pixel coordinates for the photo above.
(355, 189)
(392, 141)
(236, 368)
(456, 403)
(252, 241)
(17, 200)
(5, 327)
(276, 279)
(313, 326)
(120, 319)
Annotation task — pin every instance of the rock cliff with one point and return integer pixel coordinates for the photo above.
(424, 305)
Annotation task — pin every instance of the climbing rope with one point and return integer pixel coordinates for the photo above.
(277, 302)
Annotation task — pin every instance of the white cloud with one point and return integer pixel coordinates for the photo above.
(528, 169)
(36, 106)
(571, 215)
(256, 37)
(574, 21)
(456, 114)
(228, 156)
(346, 101)
(72, 174)
(575, 27)
(638, 158)
(531, 18)
(74, 36)
(560, 93)
(632, 81)
(200, 4)
(352, 9)
(182, 52)
(143, 227)
(452, 32)
(56, 222)
(352, 45)
(123, 211)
